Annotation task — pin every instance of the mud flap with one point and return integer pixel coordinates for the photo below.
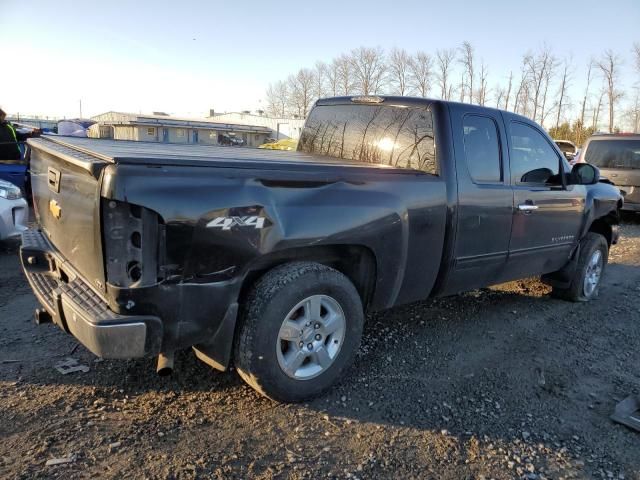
(562, 278)
(627, 412)
(217, 352)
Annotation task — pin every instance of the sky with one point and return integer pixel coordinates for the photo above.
(187, 57)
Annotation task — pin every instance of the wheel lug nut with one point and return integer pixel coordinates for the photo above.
(301, 344)
(316, 326)
(310, 346)
(318, 337)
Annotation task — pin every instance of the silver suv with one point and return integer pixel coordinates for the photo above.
(618, 158)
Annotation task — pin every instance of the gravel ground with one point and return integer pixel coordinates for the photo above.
(497, 383)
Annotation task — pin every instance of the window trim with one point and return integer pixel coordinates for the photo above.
(180, 132)
(516, 182)
(151, 131)
(501, 159)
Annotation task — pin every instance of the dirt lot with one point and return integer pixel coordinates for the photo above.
(499, 383)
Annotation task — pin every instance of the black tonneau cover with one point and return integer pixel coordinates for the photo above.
(133, 152)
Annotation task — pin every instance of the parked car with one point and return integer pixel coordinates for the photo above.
(272, 259)
(568, 149)
(13, 211)
(229, 140)
(618, 158)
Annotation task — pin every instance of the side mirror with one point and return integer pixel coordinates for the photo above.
(569, 155)
(584, 174)
(539, 175)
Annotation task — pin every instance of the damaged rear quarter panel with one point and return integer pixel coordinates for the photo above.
(220, 221)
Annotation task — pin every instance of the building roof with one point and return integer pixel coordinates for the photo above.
(122, 118)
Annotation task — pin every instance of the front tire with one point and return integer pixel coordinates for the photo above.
(585, 284)
(301, 327)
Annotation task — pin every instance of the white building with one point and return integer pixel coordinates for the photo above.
(280, 127)
(168, 129)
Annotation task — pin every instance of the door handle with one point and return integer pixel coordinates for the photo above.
(526, 207)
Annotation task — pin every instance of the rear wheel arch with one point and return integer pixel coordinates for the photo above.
(356, 262)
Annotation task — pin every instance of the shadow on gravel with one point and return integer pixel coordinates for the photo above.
(404, 354)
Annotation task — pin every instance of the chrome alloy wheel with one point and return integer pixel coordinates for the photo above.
(310, 337)
(593, 274)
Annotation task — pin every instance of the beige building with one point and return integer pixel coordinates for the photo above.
(280, 127)
(168, 129)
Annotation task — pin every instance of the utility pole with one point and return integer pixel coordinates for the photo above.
(80, 108)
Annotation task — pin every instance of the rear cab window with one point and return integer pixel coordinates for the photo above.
(613, 153)
(396, 136)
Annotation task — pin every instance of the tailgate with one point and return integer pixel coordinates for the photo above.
(66, 196)
(627, 179)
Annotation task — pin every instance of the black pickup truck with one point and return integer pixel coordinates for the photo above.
(270, 260)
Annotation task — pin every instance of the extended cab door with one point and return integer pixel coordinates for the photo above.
(547, 214)
(485, 198)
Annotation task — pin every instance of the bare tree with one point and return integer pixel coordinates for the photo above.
(332, 75)
(562, 92)
(483, 90)
(545, 90)
(634, 111)
(421, 69)
(301, 91)
(635, 108)
(500, 94)
(609, 65)
(596, 111)
(444, 59)
(467, 61)
(522, 97)
(369, 69)
(540, 70)
(345, 74)
(400, 71)
(319, 80)
(586, 92)
(508, 94)
(277, 99)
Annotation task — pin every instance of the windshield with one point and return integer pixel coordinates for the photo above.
(566, 147)
(388, 135)
(620, 153)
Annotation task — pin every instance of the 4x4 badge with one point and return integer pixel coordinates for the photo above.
(225, 223)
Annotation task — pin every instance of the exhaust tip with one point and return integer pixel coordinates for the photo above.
(165, 364)
(41, 316)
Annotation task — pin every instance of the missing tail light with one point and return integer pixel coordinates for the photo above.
(133, 240)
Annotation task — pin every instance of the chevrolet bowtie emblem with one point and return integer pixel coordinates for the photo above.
(55, 209)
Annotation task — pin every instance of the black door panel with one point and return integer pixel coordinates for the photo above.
(547, 215)
(485, 199)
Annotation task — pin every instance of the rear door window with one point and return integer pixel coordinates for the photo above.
(533, 159)
(482, 149)
(614, 153)
(388, 135)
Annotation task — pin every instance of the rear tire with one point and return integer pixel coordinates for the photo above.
(585, 284)
(301, 327)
